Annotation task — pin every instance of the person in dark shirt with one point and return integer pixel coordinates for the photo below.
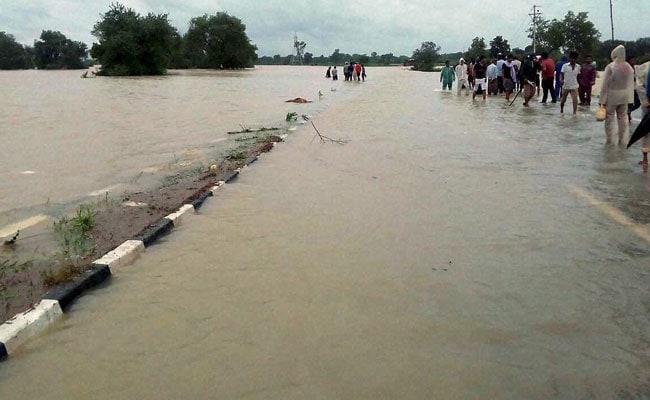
(529, 73)
(480, 81)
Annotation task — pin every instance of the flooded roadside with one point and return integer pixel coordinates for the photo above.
(441, 253)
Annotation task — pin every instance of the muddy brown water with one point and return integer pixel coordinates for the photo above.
(67, 140)
(452, 249)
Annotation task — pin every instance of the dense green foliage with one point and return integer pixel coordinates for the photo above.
(499, 45)
(424, 58)
(218, 41)
(55, 51)
(131, 44)
(13, 55)
(573, 33)
(476, 49)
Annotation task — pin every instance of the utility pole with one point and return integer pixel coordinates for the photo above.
(534, 15)
(611, 17)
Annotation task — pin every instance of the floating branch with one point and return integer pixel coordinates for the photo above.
(322, 137)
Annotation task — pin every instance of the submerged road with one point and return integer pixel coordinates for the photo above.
(451, 250)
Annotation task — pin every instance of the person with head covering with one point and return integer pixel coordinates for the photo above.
(447, 76)
(616, 93)
(461, 75)
(509, 76)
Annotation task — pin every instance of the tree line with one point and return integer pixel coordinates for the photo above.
(336, 58)
(134, 44)
(556, 37)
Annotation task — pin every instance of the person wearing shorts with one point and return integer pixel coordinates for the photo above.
(569, 79)
(480, 78)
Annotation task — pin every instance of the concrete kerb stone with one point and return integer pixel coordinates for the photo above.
(153, 232)
(121, 255)
(23, 326)
(67, 292)
(198, 202)
(17, 330)
(214, 189)
(232, 175)
(178, 215)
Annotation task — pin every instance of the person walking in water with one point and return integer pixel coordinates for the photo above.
(558, 76)
(569, 80)
(480, 80)
(447, 76)
(328, 74)
(548, 75)
(528, 74)
(586, 80)
(493, 83)
(616, 93)
(462, 76)
(509, 76)
(335, 74)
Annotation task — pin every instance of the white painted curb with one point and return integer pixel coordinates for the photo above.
(122, 255)
(21, 327)
(178, 215)
(214, 189)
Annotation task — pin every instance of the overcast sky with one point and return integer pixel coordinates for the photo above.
(353, 26)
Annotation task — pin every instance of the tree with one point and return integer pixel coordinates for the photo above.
(499, 45)
(574, 33)
(476, 49)
(580, 34)
(364, 59)
(219, 41)
(335, 58)
(55, 51)
(425, 57)
(13, 55)
(308, 58)
(130, 44)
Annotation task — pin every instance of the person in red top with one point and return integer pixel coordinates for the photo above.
(586, 80)
(357, 72)
(548, 76)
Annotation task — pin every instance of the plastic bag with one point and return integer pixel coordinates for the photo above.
(601, 113)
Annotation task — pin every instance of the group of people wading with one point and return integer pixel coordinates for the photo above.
(352, 71)
(620, 93)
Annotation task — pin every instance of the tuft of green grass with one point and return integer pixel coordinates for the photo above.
(75, 243)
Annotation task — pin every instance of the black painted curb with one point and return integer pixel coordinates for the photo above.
(67, 292)
(230, 176)
(198, 202)
(153, 232)
(251, 160)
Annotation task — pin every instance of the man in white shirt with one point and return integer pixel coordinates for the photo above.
(492, 75)
(500, 61)
(569, 81)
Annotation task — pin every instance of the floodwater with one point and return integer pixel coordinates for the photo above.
(67, 140)
(450, 250)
